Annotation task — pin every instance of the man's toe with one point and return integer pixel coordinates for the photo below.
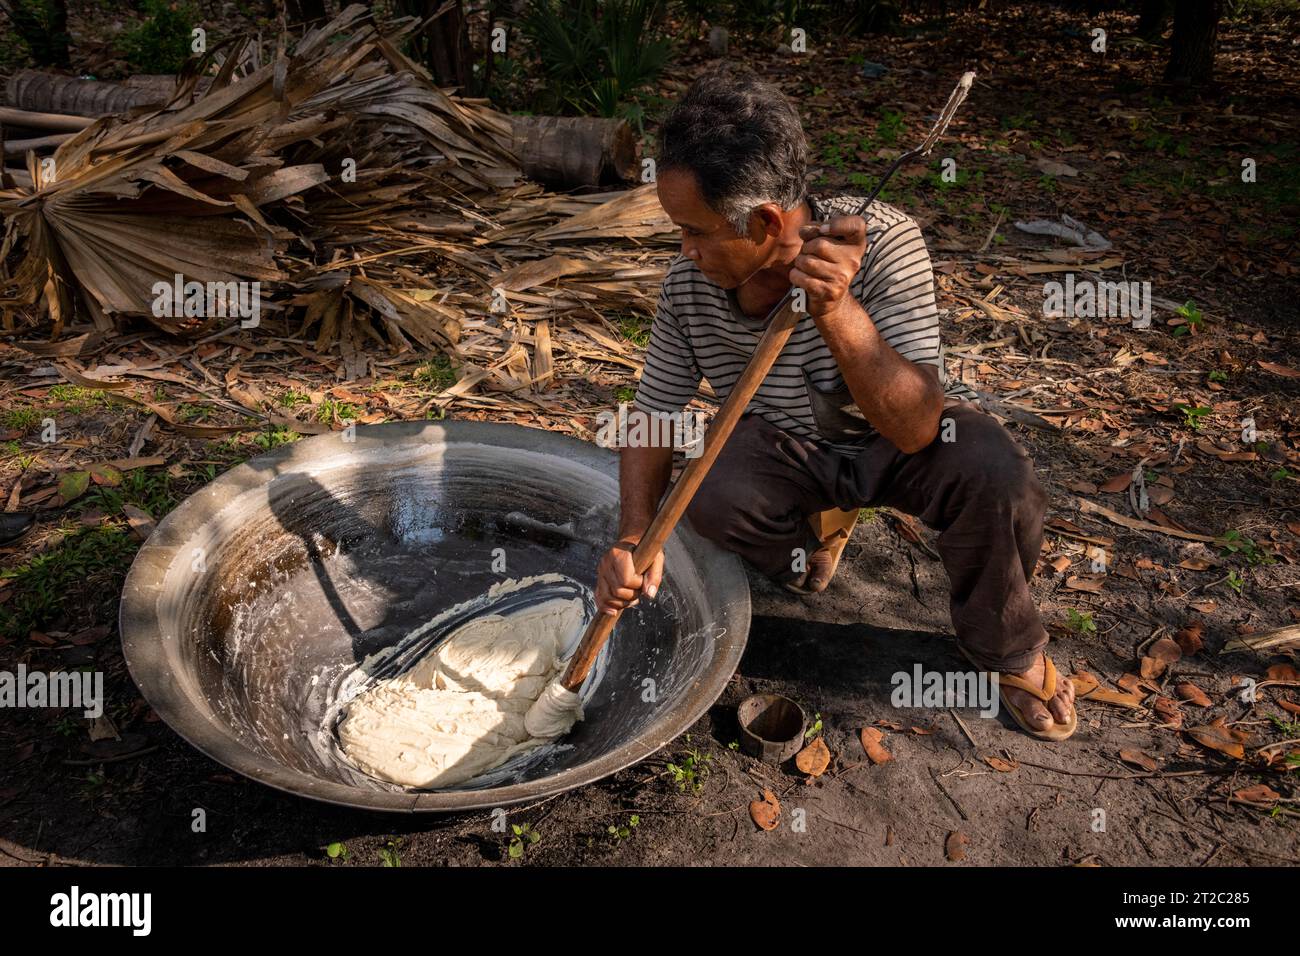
(1036, 714)
(1060, 707)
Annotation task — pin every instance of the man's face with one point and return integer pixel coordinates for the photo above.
(708, 239)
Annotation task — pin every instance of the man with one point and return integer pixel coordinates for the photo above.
(855, 413)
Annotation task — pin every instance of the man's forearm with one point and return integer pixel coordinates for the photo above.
(643, 476)
(902, 399)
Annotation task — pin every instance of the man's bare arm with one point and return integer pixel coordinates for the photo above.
(902, 399)
(643, 476)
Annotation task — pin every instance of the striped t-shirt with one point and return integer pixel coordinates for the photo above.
(699, 332)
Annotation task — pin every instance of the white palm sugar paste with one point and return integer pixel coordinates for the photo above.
(459, 712)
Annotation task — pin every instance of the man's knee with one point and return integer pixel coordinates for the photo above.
(993, 465)
(712, 511)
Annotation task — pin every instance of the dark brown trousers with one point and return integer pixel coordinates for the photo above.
(978, 490)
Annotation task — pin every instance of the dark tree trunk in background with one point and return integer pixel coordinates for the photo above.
(1151, 19)
(1196, 33)
(449, 56)
(442, 46)
(43, 25)
(307, 12)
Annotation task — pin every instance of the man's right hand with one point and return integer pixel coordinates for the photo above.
(618, 586)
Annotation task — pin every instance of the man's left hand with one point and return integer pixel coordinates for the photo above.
(830, 258)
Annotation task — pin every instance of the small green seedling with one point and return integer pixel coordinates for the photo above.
(1235, 581)
(1081, 623)
(337, 851)
(692, 771)
(524, 837)
(388, 853)
(1234, 542)
(625, 831)
(1192, 315)
(815, 729)
(1192, 415)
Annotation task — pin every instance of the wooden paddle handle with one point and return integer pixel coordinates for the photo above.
(683, 490)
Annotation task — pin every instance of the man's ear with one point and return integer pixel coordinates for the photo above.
(769, 218)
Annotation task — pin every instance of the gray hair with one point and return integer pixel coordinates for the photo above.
(742, 140)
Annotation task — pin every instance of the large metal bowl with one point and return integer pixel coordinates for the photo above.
(251, 602)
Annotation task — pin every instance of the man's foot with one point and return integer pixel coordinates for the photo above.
(1040, 715)
(833, 528)
(13, 525)
(821, 568)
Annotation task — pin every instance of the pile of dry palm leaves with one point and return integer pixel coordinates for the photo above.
(372, 208)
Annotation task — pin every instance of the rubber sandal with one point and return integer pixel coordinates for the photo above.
(834, 528)
(1045, 693)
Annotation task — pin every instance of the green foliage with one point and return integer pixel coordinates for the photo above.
(161, 44)
(275, 437)
(597, 54)
(388, 853)
(43, 26)
(1234, 542)
(98, 556)
(1192, 314)
(1192, 414)
(523, 837)
(21, 419)
(76, 399)
(337, 851)
(624, 831)
(635, 330)
(149, 490)
(693, 769)
(890, 125)
(1081, 622)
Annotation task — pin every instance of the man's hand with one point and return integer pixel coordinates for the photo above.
(618, 586)
(830, 258)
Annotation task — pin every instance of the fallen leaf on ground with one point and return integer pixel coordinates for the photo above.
(1189, 638)
(1260, 793)
(1083, 682)
(871, 743)
(1000, 765)
(814, 758)
(1167, 708)
(955, 846)
(1138, 759)
(1192, 694)
(1104, 695)
(1279, 369)
(73, 485)
(1217, 737)
(766, 812)
(1118, 483)
(1092, 583)
(1283, 672)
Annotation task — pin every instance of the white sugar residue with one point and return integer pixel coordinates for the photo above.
(458, 711)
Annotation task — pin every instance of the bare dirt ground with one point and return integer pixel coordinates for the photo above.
(1094, 399)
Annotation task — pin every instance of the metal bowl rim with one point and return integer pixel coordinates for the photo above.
(140, 628)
